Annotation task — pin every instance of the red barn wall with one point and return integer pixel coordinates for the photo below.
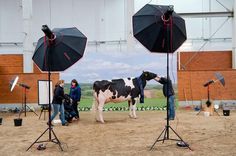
(12, 65)
(202, 67)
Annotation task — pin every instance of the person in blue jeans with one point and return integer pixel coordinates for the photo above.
(75, 95)
(57, 103)
(171, 95)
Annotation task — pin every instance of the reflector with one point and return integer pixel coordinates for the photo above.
(220, 78)
(13, 83)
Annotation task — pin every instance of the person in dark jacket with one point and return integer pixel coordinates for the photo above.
(69, 110)
(170, 95)
(57, 103)
(75, 94)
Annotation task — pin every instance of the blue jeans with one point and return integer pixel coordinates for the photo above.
(58, 108)
(171, 107)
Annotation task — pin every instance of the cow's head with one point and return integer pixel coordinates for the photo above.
(148, 75)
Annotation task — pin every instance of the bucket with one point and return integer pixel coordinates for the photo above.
(216, 106)
(0, 121)
(18, 122)
(226, 112)
(206, 114)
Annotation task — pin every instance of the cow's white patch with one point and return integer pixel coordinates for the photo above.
(104, 96)
(129, 82)
(107, 95)
(120, 99)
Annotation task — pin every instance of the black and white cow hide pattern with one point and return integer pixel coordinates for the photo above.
(119, 90)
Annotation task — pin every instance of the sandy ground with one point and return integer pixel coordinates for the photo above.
(120, 135)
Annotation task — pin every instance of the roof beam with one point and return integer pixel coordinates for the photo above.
(206, 14)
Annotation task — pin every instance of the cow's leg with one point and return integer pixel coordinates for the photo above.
(96, 110)
(95, 106)
(100, 110)
(134, 109)
(130, 109)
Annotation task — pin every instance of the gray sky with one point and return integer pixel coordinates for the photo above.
(113, 64)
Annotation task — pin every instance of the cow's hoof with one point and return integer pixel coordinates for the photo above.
(100, 121)
(130, 116)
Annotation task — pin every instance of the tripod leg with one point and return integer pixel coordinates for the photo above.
(58, 142)
(32, 110)
(41, 113)
(37, 139)
(44, 115)
(164, 130)
(165, 134)
(25, 109)
(180, 138)
(216, 112)
(199, 112)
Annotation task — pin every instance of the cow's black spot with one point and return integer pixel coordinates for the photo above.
(101, 85)
(129, 78)
(118, 87)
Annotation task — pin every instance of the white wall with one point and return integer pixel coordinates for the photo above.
(11, 23)
(102, 20)
(198, 27)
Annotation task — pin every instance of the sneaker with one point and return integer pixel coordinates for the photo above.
(65, 124)
(77, 118)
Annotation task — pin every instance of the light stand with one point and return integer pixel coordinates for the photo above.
(13, 83)
(207, 84)
(51, 37)
(25, 105)
(167, 18)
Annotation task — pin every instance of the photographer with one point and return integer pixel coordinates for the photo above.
(171, 94)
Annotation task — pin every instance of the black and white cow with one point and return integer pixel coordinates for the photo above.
(119, 90)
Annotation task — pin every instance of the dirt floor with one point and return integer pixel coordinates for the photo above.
(120, 135)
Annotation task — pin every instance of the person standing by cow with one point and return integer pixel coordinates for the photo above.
(75, 94)
(57, 103)
(171, 95)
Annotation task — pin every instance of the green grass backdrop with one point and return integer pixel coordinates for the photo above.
(87, 98)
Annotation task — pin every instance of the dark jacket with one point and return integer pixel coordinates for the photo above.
(163, 81)
(58, 95)
(75, 93)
